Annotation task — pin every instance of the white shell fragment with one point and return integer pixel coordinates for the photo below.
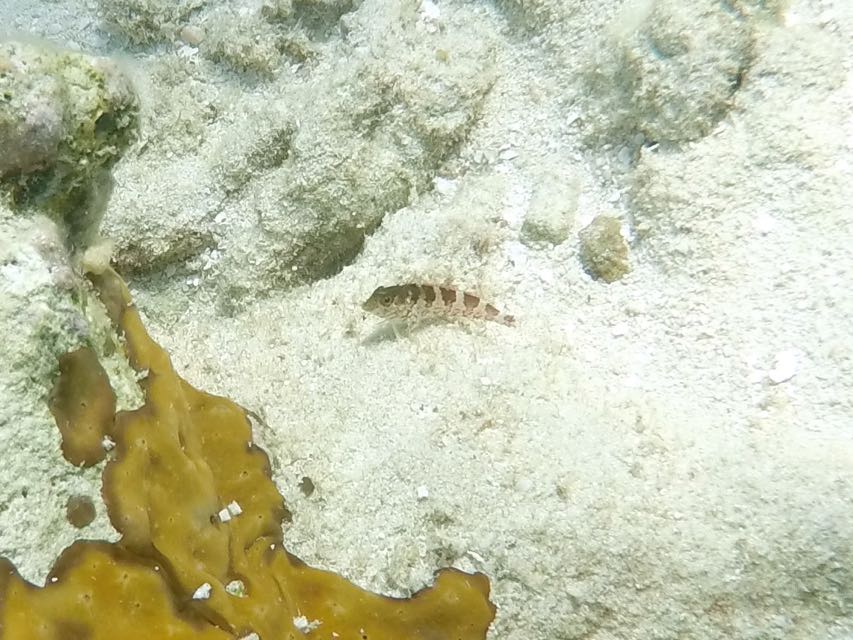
(203, 592)
(236, 588)
(476, 556)
(231, 510)
(785, 368)
(302, 623)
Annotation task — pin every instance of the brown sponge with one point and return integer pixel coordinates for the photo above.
(201, 520)
(96, 591)
(83, 404)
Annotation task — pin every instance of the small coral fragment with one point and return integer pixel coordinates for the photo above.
(603, 250)
(83, 404)
(245, 43)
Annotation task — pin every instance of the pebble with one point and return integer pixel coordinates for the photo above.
(192, 35)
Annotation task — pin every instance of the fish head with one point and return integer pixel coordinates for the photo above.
(381, 301)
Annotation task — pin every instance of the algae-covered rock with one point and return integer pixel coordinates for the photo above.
(256, 41)
(667, 70)
(65, 119)
(603, 250)
(245, 43)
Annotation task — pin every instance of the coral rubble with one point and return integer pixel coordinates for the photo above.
(201, 551)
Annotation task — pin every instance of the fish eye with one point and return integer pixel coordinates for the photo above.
(386, 300)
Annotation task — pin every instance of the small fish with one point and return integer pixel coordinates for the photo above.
(416, 303)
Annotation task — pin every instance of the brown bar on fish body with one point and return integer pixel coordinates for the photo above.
(430, 302)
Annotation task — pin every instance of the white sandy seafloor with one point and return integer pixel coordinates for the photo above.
(667, 456)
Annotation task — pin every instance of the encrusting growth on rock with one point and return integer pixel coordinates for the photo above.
(180, 460)
(83, 404)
